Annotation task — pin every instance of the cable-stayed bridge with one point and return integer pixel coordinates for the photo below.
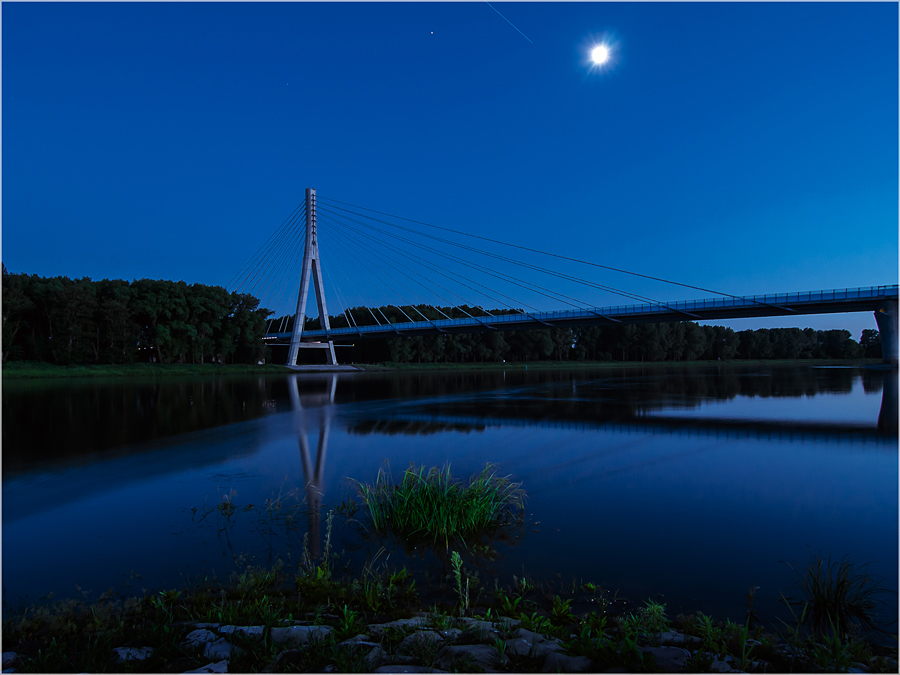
(808, 302)
(430, 284)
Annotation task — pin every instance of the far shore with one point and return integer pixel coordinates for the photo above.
(32, 369)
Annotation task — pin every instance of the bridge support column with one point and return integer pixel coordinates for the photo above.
(887, 416)
(886, 318)
(312, 268)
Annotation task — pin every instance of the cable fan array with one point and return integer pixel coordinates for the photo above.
(274, 269)
(383, 269)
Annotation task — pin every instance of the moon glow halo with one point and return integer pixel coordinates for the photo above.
(600, 54)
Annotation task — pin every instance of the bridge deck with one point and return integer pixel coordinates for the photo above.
(781, 304)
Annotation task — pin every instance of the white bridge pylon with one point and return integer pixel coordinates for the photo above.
(312, 266)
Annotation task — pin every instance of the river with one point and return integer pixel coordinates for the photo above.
(684, 484)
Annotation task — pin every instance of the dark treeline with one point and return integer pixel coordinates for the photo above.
(683, 341)
(80, 321)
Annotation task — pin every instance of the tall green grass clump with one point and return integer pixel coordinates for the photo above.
(837, 595)
(429, 503)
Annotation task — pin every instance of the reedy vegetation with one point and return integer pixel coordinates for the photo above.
(430, 504)
(838, 597)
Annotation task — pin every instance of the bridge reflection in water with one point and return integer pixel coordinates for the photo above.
(887, 418)
(314, 408)
(576, 413)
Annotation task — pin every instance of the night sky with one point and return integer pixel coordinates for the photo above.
(747, 148)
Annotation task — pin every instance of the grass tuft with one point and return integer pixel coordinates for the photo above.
(429, 503)
(837, 596)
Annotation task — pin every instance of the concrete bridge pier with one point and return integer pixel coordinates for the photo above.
(886, 318)
(312, 270)
(887, 417)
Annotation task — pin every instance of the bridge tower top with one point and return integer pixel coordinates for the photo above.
(311, 234)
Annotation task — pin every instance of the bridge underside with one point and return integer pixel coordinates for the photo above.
(790, 304)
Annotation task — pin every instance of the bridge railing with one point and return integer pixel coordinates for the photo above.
(774, 300)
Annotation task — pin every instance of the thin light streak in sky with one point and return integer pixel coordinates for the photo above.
(508, 21)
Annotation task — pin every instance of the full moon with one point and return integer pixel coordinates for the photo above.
(600, 54)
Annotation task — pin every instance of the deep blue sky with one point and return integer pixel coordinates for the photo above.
(748, 148)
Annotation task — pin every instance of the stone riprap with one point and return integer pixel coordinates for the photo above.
(295, 636)
(255, 632)
(124, 654)
(219, 667)
(424, 644)
(221, 649)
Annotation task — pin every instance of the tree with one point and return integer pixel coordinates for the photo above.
(837, 344)
(243, 329)
(73, 305)
(527, 345)
(755, 344)
(563, 340)
(587, 339)
(650, 342)
(116, 321)
(626, 340)
(870, 341)
(16, 306)
(401, 349)
(695, 341)
(672, 341)
(207, 306)
(722, 343)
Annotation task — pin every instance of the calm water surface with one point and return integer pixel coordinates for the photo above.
(688, 484)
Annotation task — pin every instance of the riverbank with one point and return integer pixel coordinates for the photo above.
(273, 620)
(599, 365)
(33, 369)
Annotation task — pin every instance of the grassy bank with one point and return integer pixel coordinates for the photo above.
(597, 365)
(579, 621)
(35, 369)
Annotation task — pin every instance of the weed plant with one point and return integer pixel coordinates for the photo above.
(650, 620)
(429, 503)
(76, 637)
(456, 560)
(561, 612)
(836, 596)
(600, 649)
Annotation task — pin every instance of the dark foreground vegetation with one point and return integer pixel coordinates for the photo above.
(305, 620)
(310, 617)
(83, 322)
